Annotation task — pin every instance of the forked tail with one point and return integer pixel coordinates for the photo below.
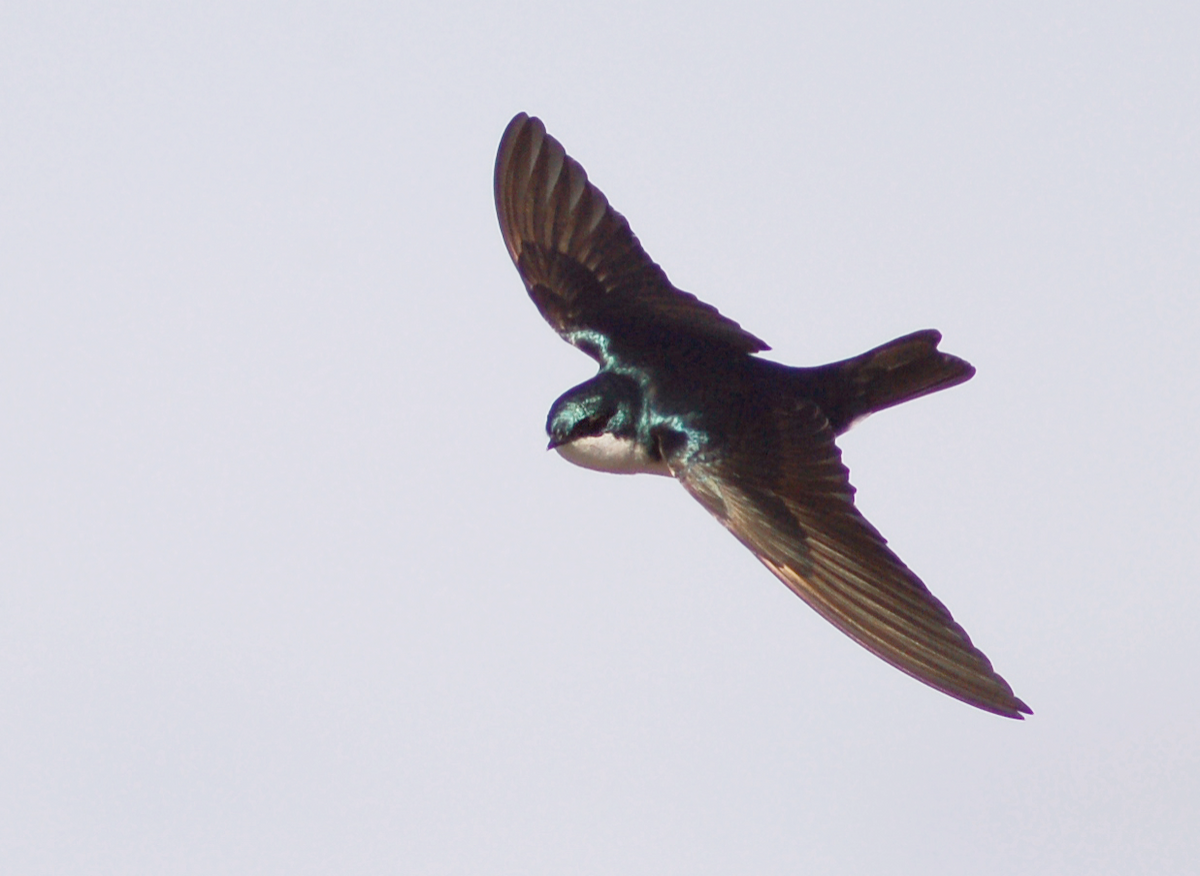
(900, 370)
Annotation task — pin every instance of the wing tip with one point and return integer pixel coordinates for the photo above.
(1015, 708)
(510, 142)
(507, 141)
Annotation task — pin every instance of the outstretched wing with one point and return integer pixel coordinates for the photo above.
(582, 265)
(787, 496)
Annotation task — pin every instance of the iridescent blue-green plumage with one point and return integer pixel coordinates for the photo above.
(680, 392)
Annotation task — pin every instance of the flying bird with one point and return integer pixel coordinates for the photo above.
(681, 393)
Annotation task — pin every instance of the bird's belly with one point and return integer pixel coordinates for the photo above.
(612, 454)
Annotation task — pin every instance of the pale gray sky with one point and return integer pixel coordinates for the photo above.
(288, 583)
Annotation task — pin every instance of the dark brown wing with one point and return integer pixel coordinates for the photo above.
(788, 498)
(582, 265)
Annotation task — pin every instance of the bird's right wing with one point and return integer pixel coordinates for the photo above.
(786, 495)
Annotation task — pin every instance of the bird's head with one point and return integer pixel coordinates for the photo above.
(605, 405)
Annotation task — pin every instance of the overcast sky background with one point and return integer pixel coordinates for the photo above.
(288, 583)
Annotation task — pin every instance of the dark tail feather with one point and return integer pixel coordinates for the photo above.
(900, 370)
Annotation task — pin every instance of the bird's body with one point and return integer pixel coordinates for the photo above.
(681, 393)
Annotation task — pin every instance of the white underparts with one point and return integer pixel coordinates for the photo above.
(609, 453)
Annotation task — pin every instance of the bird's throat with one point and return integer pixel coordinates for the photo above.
(609, 453)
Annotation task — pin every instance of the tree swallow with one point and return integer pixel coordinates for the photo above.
(681, 393)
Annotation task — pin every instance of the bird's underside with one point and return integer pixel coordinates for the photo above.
(775, 481)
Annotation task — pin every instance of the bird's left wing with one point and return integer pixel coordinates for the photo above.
(584, 268)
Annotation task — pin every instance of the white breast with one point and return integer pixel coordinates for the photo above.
(612, 454)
